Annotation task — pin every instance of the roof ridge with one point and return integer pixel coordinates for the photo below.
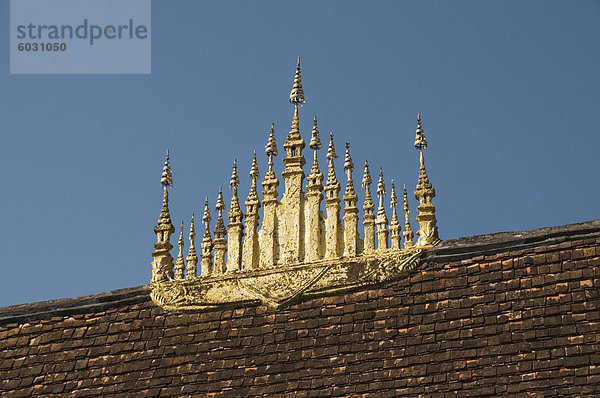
(447, 251)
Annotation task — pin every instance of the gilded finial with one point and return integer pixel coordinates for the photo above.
(235, 180)
(350, 195)
(253, 194)
(348, 164)
(381, 221)
(192, 257)
(180, 242)
(381, 184)
(192, 231)
(315, 141)
(331, 155)
(408, 232)
(406, 209)
(271, 147)
(206, 217)
(254, 169)
(366, 181)
(207, 244)
(393, 197)
(166, 179)
(297, 94)
(420, 141)
(394, 223)
(179, 263)
(220, 206)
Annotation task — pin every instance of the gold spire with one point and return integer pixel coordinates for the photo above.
(271, 151)
(235, 212)
(381, 221)
(350, 210)
(271, 147)
(192, 257)
(297, 94)
(393, 197)
(180, 264)
(162, 265)
(315, 141)
(206, 218)
(420, 141)
(165, 217)
(294, 133)
(350, 195)
(366, 184)
(381, 189)
(254, 174)
(331, 156)
(408, 232)
(235, 180)
(394, 224)
(315, 178)
(220, 243)
(235, 224)
(207, 244)
(166, 179)
(220, 230)
(254, 168)
(424, 192)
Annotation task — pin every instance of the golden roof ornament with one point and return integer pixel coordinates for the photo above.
(166, 179)
(408, 232)
(253, 194)
(315, 178)
(206, 264)
(368, 208)
(220, 207)
(220, 243)
(420, 141)
(366, 181)
(180, 264)
(297, 93)
(424, 192)
(394, 223)
(235, 179)
(162, 263)
(315, 141)
(350, 194)
(381, 221)
(271, 182)
(271, 147)
(331, 156)
(192, 257)
(298, 250)
(236, 226)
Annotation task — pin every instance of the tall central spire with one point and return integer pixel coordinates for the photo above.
(292, 229)
(297, 93)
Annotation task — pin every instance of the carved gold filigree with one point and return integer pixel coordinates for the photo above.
(279, 287)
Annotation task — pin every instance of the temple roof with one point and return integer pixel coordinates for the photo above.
(447, 251)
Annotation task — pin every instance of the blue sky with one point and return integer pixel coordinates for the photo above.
(508, 91)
